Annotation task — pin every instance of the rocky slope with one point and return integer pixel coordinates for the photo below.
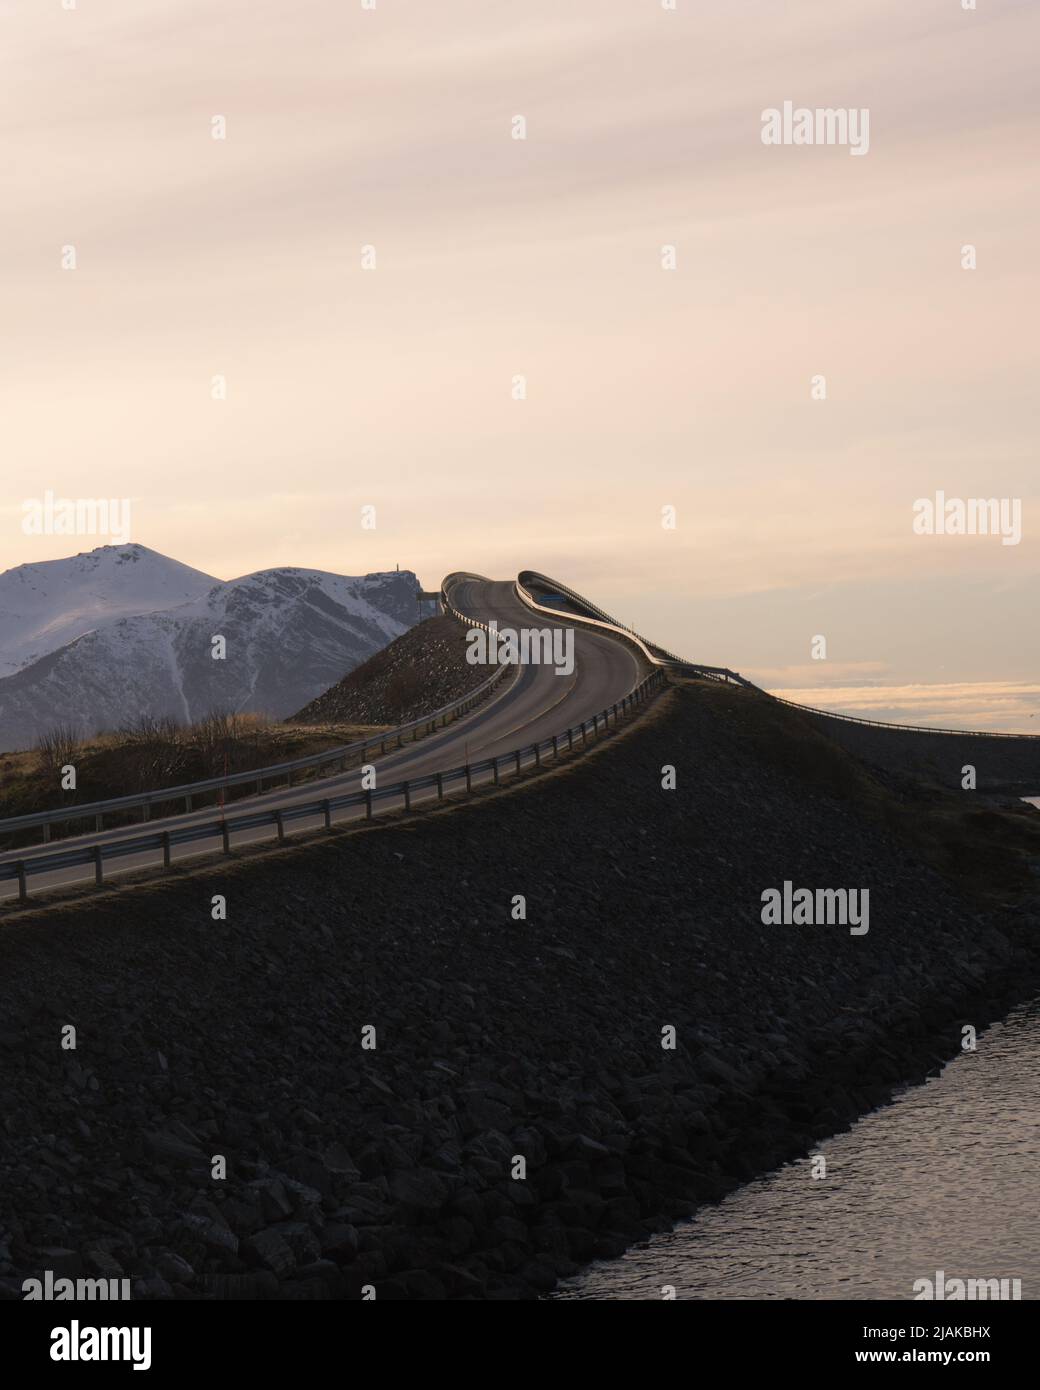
(421, 671)
(289, 633)
(1009, 764)
(394, 1166)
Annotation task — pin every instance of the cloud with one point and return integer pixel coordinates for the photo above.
(833, 672)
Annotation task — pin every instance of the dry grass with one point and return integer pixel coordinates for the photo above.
(153, 753)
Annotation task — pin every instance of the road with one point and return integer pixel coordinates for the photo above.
(532, 705)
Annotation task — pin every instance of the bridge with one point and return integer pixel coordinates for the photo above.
(520, 718)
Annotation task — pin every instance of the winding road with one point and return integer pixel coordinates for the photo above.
(529, 706)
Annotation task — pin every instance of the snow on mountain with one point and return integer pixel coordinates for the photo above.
(289, 635)
(44, 606)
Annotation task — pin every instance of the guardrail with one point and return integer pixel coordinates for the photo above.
(224, 827)
(162, 796)
(657, 656)
(885, 724)
(450, 608)
(663, 658)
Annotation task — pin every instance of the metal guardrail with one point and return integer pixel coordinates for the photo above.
(656, 655)
(450, 608)
(97, 855)
(884, 724)
(273, 772)
(670, 660)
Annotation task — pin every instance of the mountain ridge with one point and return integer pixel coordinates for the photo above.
(135, 646)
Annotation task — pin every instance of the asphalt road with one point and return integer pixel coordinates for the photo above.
(532, 705)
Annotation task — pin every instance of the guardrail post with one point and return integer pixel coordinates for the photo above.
(368, 803)
(23, 892)
(570, 739)
(187, 803)
(440, 786)
(326, 807)
(225, 835)
(97, 823)
(166, 849)
(382, 746)
(280, 824)
(556, 745)
(408, 796)
(99, 873)
(494, 775)
(46, 832)
(518, 762)
(146, 811)
(615, 714)
(288, 777)
(537, 755)
(260, 783)
(469, 778)
(584, 734)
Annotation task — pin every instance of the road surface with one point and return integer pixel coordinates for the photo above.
(530, 706)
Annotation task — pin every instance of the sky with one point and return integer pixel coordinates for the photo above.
(394, 386)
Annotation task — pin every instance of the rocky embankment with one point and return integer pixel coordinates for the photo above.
(421, 671)
(393, 1166)
(1010, 765)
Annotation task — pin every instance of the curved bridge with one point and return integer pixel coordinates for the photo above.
(522, 715)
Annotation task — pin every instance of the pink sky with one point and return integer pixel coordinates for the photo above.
(541, 257)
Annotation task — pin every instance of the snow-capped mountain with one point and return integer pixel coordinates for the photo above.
(44, 606)
(288, 635)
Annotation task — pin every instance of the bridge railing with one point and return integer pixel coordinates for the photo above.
(886, 724)
(657, 656)
(330, 757)
(575, 739)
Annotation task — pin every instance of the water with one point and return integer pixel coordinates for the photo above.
(944, 1178)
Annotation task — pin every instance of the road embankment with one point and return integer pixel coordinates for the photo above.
(333, 1087)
